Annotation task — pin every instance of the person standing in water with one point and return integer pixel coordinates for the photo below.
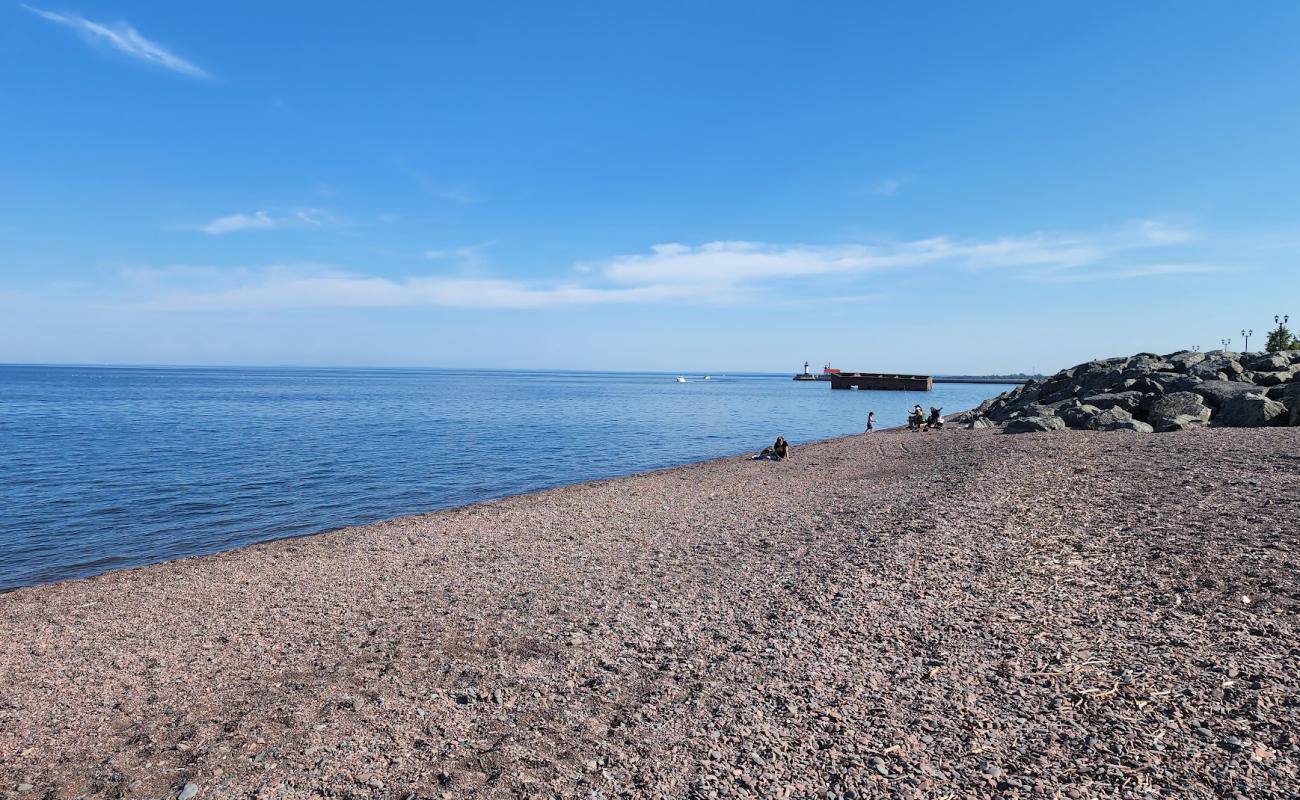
(871, 421)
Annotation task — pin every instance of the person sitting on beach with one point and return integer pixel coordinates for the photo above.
(778, 451)
(916, 419)
(780, 447)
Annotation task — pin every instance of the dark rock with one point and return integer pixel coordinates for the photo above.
(1275, 378)
(1028, 410)
(1268, 362)
(1147, 385)
(1184, 360)
(1078, 416)
(1249, 411)
(1143, 363)
(1173, 381)
(1216, 392)
(1105, 380)
(1291, 399)
(1177, 410)
(1138, 388)
(1129, 401)
(1058, 387)
(1183, 422)
(1225, 365)
(1117, 419)
(1026, 394)
(1034, 424)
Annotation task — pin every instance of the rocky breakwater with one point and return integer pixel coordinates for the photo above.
(1148, 392)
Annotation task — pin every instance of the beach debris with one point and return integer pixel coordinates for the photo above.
(190, 791)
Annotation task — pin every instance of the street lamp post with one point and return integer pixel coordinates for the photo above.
(1225, 343)
(1246, 334)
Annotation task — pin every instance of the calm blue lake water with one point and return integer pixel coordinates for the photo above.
(102, 468)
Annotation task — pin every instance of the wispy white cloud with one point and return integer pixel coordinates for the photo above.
(311, 286)
(738, 262)
(1147, 271)
(1160, 233)
(124, 39)
(462, 194)
(258, 220)
(725, 272)
(888, 187)
(470, 256)
(263, 220)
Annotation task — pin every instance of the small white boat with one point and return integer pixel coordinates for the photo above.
(680, 379)
(706, 377)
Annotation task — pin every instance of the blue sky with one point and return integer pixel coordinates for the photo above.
(939, 187)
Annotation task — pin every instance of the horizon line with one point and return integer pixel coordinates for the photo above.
(714, 373)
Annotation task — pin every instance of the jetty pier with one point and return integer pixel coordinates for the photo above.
(890, 381)
(882, 381)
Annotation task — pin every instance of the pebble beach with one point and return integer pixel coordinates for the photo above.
(955, 614)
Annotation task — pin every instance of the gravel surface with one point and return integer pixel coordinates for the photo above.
(955, 614)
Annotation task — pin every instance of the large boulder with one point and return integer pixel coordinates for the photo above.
(1291, 399)
(1078, 416)
(1018, 398)
(1268, 362)
(1218, 367)
(1216, 393)
(1142, 363)
(1147, 384)
(1173, 381)
(1185, 359)
(1117, 419)
(1056, 393)
(1106, 379)
(1034, 424)
(1129, 401)
(1249, 411)
(1177, 411)
(1274, 378)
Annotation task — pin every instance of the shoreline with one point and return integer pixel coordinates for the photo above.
(890, 615)
(425, 513)
(244, 471)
